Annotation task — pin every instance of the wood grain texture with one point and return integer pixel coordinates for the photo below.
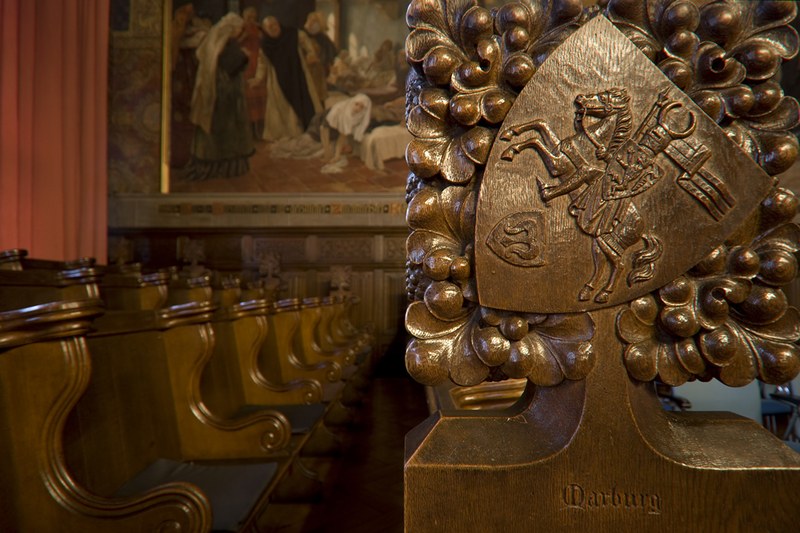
(598, 455)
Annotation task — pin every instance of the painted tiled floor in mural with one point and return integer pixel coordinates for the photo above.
(272, 175)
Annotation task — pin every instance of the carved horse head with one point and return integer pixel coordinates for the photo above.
(604, 105)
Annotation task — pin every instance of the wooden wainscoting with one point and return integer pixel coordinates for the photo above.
(311, 232)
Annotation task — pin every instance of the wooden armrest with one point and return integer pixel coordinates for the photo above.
(22, 288)
(132, 290)
(185, 288)
(47, 321)
(302, 418)
(17, 259)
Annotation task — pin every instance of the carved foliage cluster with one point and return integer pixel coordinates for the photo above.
(457, 338)
(469, 66)
(726, 56)
(474, 63)
(727, 318)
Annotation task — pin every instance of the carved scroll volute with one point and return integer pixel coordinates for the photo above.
(705, 133)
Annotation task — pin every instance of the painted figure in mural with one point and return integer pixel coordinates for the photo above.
(281, 120)
(223, 140)
(349, 117)
(322, 52)
(317, 28)
(182, 14)
(184, 70)
(381, 71)
(281, 47)
(255, 85)
(343, 74)
(312, 70)
(188, 30)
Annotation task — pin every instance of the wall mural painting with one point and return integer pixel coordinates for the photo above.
(269, 96)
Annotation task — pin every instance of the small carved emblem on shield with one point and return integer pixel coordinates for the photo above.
(519, 239)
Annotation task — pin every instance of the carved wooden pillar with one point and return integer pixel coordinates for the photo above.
(593, 206)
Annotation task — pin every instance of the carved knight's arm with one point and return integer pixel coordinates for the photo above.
(578, 178)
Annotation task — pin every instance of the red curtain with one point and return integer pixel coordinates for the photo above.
(53, 133)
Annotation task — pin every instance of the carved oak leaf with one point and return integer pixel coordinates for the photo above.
(479, 343)
(756, 34)
(451, 37)
(442, 231)
(549, 24)
(765, 135)
(454, 44)
(726, 318)
(640, 21)
(440, 145)
(441, 349)
(724, 57)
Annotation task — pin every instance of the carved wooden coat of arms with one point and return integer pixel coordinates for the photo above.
(593, 206)
(599, 175)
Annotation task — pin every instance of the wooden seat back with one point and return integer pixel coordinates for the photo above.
(280, 357)
(148, 384)
(113, 446)
(233, 376)
(45, 367)
(307, 339)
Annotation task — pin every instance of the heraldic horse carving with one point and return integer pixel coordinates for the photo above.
(614, 168)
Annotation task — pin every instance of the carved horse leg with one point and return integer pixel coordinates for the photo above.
(626, 233)
(515, 131)
(615, 261)
(600, 263)
(548, 135)
(556, 163)
(512, 151)
(603, 257)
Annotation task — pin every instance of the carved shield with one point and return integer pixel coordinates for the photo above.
(619, 183)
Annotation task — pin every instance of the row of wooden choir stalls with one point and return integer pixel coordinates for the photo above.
(173, 400)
